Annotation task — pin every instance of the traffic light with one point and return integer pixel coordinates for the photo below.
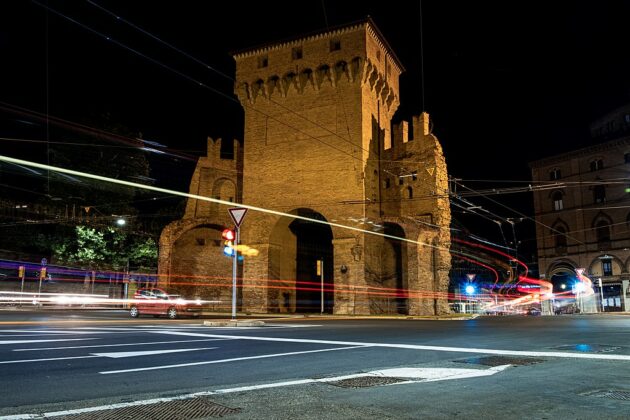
(228, 236)
(20, 271)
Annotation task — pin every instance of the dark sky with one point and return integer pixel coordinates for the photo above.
(505, 82)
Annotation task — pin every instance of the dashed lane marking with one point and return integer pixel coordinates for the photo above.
(148, 343)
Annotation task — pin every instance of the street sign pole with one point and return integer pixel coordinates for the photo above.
(237, 214)
(234, 269)
(601, 292)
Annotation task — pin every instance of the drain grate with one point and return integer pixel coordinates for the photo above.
(367, 381)
(612, 394)
(588, 348)
(501, 360)
(194, 408)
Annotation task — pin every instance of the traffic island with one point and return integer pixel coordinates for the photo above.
(234, 323)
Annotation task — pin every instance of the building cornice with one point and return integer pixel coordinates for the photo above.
(601, 147)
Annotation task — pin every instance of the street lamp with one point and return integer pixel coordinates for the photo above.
(121, 222)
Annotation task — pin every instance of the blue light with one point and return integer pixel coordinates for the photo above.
(470, 289)
(229, 251)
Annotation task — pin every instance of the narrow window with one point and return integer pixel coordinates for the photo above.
(596, 165)
(599, 194)
(296, 53)
(560, 240)
(602, 230)
(386, 182)
(554, 174)
(410, 192)
(607, 267)
(263, 61)
(557, 201)
(414, 175)
(201, 241)
(400, 181)
(335, 45)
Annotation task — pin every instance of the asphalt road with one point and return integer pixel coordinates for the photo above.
(64, 363)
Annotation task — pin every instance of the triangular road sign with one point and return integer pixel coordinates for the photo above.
(237, 214)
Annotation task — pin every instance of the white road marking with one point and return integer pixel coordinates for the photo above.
(236, 359)
(121, 354)
(606, 356)
(43, 341)
(9, 362)
(415, 375)
(121, 345)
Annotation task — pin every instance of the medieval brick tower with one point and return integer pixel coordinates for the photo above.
(368, 201)
(318, 144)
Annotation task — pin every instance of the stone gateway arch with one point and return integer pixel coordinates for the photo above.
(319, 143)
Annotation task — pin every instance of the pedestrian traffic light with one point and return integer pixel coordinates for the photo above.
(228, 236)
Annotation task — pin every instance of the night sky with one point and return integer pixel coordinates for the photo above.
(505, 82)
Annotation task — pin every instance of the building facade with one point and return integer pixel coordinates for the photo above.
(319, 144)
(583, 215)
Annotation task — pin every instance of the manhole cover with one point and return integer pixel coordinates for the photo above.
(194, 408)
(588, 348)
(367, 381)
(615, 395)
(501, 360)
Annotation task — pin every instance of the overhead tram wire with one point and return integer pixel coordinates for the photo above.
(201, 84)
(209, 67)
(520, 214)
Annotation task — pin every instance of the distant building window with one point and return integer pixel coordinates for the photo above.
(557, 201)
(602, 231)
(599, 194)
(400, 181)
(596, 165)
(296, 53)
(409, 192)
(386, 182)
(201, 241)
(414, 175)
(626, 158)
(335, 45)
(560, 240)
(554, 174)
(607, 267)
(263, 61)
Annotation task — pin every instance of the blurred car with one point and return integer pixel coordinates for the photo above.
(158, 302)
(533, 311)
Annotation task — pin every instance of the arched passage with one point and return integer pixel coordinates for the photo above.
(295, 247)
(198, 266)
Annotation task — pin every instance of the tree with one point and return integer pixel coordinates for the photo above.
(106, 248)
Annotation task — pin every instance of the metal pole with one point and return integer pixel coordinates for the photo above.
(234, 266)
(22, 286)
(321, 275)
(601, 292)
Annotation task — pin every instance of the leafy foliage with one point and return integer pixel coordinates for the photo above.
(106, 248)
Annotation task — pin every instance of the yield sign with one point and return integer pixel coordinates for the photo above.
(237, 214)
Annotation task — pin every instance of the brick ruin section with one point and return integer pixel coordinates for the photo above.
(191, 260)
(318, 142)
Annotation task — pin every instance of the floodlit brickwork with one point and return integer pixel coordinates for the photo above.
(318, 143)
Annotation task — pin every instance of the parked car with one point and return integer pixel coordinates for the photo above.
(158, 302)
